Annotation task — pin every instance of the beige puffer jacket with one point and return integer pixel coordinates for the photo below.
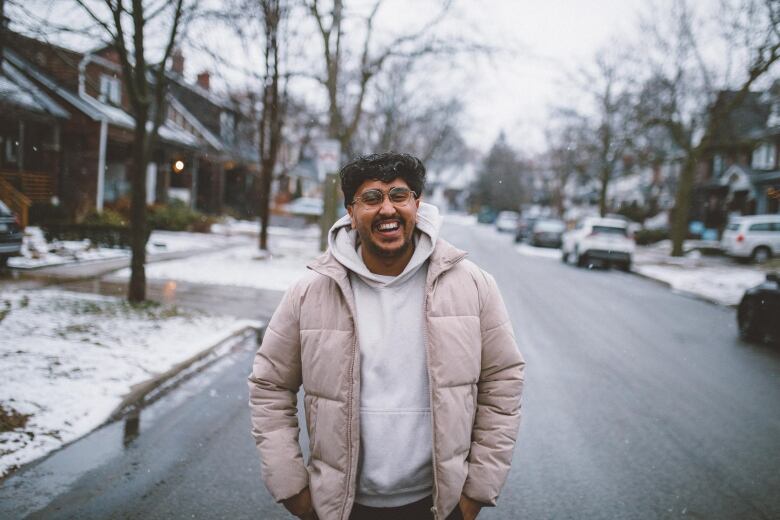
(474, 367)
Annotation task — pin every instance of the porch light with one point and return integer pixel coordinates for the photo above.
(178, 166)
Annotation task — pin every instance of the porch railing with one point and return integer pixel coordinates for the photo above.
(38, 187)
(16, 200)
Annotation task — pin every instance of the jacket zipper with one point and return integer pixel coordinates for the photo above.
(434, 510)
(350, 397)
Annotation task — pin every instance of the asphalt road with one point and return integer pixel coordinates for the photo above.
(640, 403)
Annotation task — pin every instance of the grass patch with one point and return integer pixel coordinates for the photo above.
(10, 419)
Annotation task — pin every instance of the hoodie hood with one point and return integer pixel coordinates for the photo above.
(344, 244)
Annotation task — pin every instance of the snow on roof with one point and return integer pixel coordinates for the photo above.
(17, 90)
(99, 111)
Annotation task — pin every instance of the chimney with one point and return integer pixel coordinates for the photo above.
(177, 62)
(203, 79)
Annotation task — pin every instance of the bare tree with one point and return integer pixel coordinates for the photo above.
(685, 82)
(271, 119)
(125, 26)
(612, 122)
(405, 117)
(569, 144)
(346, 80)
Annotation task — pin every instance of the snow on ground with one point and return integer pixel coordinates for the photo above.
(724, 285)
(68, 359)
(243, 265)
(37, 252)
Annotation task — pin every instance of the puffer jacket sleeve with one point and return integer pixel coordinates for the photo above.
(273, 387)
(499, 390)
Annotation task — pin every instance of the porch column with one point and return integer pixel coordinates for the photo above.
(20, 150)
(101, 173)
(194, 186)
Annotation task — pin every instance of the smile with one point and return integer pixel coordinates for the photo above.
(388, 225)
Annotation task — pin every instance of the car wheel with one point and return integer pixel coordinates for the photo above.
(747, 320)
(625, 266)
(564, 257)
(3, 261)
(582, 260)
(761, 255)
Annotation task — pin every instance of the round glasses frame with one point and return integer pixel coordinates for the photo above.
(377, 197)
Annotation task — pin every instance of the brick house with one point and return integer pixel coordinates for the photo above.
(740, 171)
(97, 134)
(228, 164)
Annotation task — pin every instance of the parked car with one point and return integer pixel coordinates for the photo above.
(632, 226)
(10, 235)
(755, 237)
(506, 221)
(486, 215)
(758, 311)
(603, 240)
(524, 228)
(548, 232)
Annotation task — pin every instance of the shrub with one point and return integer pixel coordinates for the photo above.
(177, 216)
(108, 217)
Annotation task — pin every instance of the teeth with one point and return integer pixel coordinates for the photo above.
(388, 226)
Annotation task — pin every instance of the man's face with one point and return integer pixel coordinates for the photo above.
(386, 229)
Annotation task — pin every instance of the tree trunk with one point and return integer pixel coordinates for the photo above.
(682, 203)
(137, 288)
(603, 192)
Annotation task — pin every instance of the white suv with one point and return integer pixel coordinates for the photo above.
(601, 239)
(755, 236)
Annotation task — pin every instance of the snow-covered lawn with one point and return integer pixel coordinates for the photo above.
(242, 266)
(67, 360)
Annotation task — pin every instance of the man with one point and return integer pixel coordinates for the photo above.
(411, 375)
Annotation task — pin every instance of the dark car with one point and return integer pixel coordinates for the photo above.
(524, 227)
(548, 232)
(10, 235)
(758, 312)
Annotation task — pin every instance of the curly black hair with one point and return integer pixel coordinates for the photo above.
(384, 167)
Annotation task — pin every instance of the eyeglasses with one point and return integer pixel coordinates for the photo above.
(398, 196)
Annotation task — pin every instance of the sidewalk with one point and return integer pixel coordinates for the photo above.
(715, 278)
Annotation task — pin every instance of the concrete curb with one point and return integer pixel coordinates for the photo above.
(152, 389)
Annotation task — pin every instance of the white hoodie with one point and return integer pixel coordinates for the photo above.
(395, 466)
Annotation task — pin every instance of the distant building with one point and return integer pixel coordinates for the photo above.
(67, 132)
(739, 174)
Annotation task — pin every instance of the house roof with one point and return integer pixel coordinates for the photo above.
(16, 90)
(98, 110)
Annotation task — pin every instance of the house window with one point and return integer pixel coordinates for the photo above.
(764, 157)
(227, 125)
(110, 89)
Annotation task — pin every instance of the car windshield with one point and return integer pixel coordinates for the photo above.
(611, 230)
(550, 225)
(4, 210)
